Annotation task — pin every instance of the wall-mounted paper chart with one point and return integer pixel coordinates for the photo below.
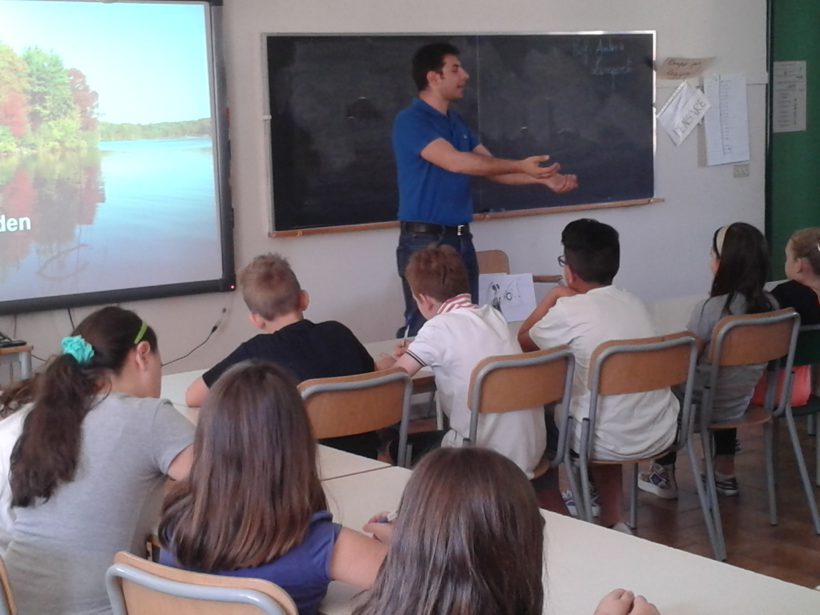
(789, 96)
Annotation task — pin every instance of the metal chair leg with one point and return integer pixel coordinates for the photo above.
(768, 438)
(572, 477)
(711, 488)
(817, 458)
(704, 503)
(801, 467)
(586, 492)
(633, 498)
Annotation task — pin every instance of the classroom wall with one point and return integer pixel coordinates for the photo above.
(352, 277)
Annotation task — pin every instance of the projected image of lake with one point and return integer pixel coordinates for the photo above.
(109, 174)
(130, 214)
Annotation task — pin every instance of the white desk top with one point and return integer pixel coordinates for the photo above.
(175, 385)
(586, 561)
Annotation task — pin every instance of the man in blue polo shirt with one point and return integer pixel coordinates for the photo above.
(436, 155)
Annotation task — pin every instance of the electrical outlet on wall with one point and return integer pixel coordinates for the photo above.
(741, 170)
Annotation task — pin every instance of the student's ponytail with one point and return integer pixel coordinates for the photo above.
(48, 450)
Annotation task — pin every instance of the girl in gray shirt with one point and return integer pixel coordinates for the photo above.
(740, 262)
(87, 471)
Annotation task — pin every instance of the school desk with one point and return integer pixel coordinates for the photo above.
(585, 561)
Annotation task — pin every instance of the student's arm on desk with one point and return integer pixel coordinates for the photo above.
(356, 558)
(399, 358)
(547, 303)
(405, 362)
(196, 393)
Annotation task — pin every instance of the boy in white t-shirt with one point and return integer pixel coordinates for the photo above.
(456, 336)
(586, 313)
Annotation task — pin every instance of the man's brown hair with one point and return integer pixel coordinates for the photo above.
(438, 272)
(269, 286)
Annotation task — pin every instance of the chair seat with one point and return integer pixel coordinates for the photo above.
(755, 415)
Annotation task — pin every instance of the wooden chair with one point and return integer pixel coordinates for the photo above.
(622, 367)
(350, 405)
(808, 353)
(751, 339)
(137, 586)
(496, 261)
(7, 606)
(508, 383)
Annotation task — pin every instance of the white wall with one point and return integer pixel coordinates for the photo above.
(352, 277)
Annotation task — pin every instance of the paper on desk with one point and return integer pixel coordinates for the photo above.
(682, 112)
(789, 96)
(727, 122)
(682, 68)
(513, 295)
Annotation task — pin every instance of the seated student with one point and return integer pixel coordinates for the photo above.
(802, 291)
(583, 314)
(456, 336)
(88, 470)
(454, 549)
(740, 263)
(307, 350)
(253, 505)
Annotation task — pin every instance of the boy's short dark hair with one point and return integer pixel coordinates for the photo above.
(430, 57)
(592, 250)
(438, 272)
(269, 286)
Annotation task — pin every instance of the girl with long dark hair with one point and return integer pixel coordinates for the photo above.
(88, 469)
(740, 264)
(253, 505)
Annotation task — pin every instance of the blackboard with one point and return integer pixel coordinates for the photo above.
(585, 99)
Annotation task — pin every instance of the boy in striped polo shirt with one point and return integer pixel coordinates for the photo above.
(456, 336)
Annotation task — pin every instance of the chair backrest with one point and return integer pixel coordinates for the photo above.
(137, 586)
(492, 261)
(752, 339)
(621, 367)
(808, 345)
(7, 606)
(507, 383)
(350, 405)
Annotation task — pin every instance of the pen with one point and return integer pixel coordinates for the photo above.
(389, 518)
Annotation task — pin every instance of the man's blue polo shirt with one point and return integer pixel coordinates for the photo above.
(428, 193)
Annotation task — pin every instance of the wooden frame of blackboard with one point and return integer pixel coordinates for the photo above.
(641, 61)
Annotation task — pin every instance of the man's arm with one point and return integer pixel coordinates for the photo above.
(557, 182)
(444, 155)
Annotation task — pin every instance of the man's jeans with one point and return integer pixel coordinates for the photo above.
(409, 243)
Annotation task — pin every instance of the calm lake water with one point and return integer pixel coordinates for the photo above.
(132, 214)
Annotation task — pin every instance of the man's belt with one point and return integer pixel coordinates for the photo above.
(423, 228)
